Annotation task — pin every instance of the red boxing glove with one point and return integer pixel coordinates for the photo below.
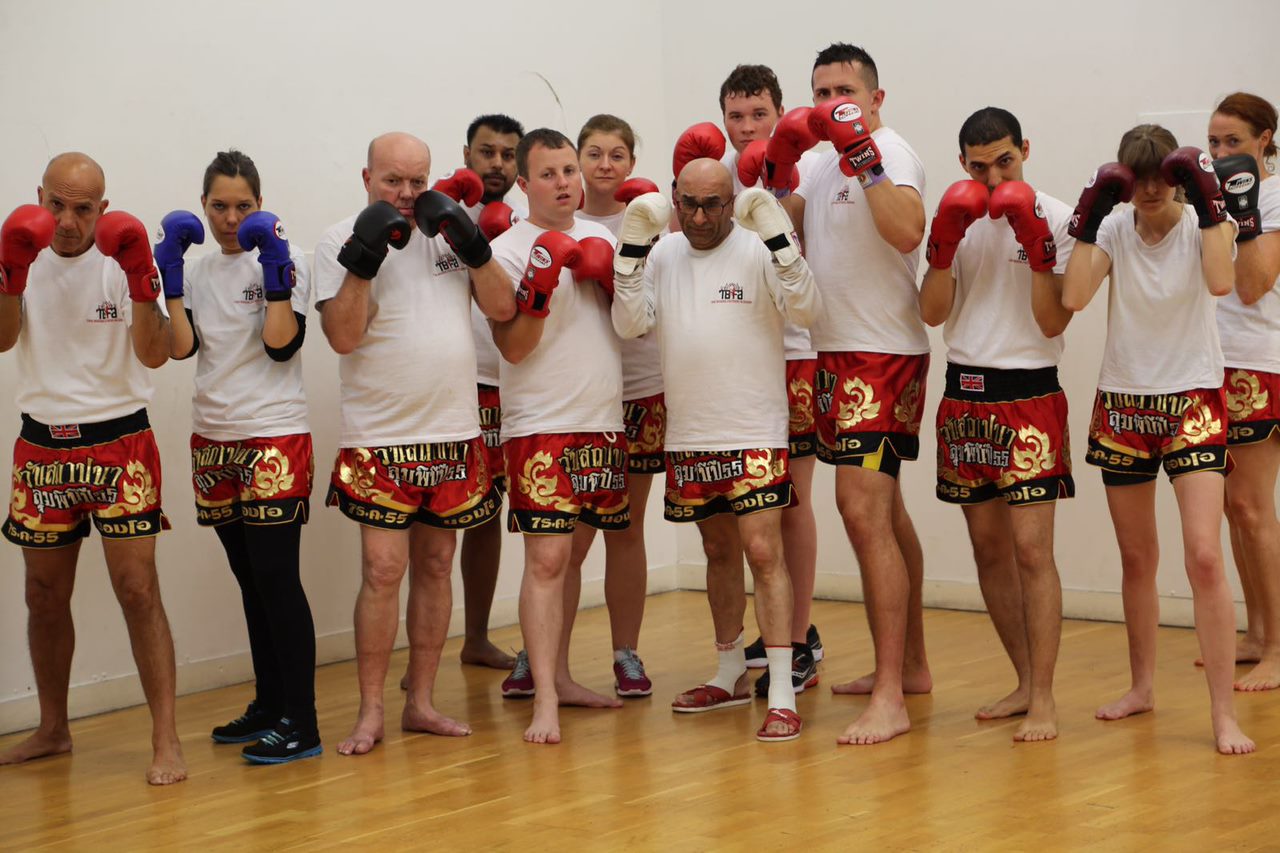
(753, 164)
(701, 140)
(495, 219)
(26, 233)
(595, 263)
(551, 252)
(841, 121)
(1191, 169)
(961, 204)
(461, 185)
(122, 236)
(1016, 201)
(633, 187)
(791, 137)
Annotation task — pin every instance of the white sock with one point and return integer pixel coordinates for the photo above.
(781, 693)
(619, 654)
(733, 663)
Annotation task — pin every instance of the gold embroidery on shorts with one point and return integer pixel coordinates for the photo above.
(272, 475)
(655, 429)
(542, 489)
(861, 406)
(361, 477)
(801, 420)
(908, 404)
(1199, 425)
(137, 492)
(1032, 456)
(1245, 395)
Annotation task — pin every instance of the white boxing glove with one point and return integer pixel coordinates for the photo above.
(757, 210)
(644, 219)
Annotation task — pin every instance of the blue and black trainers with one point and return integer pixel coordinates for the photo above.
(285, 743)
(252, 725)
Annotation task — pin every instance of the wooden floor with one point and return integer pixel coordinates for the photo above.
(643, 778)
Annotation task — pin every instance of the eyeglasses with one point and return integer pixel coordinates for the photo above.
(712, 207)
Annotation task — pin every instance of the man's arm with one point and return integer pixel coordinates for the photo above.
(10, 320)
(150, 333)
(494, 291)
(345, 317)
(898, 212)
(1046, 303)
(937, 295)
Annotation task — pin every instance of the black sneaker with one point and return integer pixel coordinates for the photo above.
(253, 724)
(756, 658)
(283, 744)
(804, 672)
(815, 643)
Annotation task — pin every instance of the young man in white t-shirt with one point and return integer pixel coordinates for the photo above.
(1003, 451)
(860, 213)
(562, 429)
(395, 303)
(707, 290)
(85, 329)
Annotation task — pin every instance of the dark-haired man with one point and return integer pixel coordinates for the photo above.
(1003, 453)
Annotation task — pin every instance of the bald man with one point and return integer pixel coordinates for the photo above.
(78, 297)
(395, 304)
(707, 290)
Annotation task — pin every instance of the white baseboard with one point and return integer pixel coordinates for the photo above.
(109, 694)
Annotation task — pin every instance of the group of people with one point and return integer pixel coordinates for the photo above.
(560, 355)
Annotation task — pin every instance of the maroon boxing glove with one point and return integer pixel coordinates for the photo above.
(1192, 169)
(1111, 184)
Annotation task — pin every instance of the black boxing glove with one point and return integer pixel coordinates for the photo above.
(1238, 175)
(436, 213)
(379, 225)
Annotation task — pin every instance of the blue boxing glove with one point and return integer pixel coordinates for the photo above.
(178, 230)
(265, 232)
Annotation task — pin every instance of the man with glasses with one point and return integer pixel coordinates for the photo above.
(707, 290)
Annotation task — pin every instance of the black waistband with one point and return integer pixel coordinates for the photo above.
(82, 435)
(993, 385)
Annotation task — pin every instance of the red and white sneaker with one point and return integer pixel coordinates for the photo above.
(519, 684)
(629, 678)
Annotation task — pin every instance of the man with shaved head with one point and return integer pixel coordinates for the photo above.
(411, 464)
(86, 322)
(718, 296)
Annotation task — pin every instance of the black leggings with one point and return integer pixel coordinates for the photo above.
(282, 637)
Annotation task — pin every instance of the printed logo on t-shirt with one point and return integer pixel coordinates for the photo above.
(731, 292)
(842, 197)
(446, 264)
(250, 294)
(106, 311)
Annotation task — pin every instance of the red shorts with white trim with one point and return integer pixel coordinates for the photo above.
(257, 480)
(1132, 435)
(802, 432)
(440, 484)
(868, 408)
(490, 427)
(560, 479)
(645, 421)
(703, 483)
(66, 474)
(1253, 405)
(1003, 433)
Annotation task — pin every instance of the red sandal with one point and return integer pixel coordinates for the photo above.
(708, 697)
(780, 715)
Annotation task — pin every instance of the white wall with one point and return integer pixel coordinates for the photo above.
(153, 89)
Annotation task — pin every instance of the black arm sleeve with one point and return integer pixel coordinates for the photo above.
(195, 339)
(286, 352)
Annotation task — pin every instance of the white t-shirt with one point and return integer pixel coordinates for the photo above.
(1251, 333)
(412, 377)
(641, 362)
(719, 315)
(1162, 336)
(869, 287)
(991, 322)
(486, 350)
(240, 391)
(572, 381)
(795, 338)
(76, 363)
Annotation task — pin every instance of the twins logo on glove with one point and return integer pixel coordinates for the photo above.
(850, 114)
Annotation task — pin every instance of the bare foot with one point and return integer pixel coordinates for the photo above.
(913, 681)
(1133, 702)
(367, 732)
(545, 727)
(1010, 706)
(1229, 738)
(38, 745)
(167, 764)
(573, 693)
(485, 653)
(1041, 723)
(431, 721)
(880, 722)
(1248, 650)
(1264, 676)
